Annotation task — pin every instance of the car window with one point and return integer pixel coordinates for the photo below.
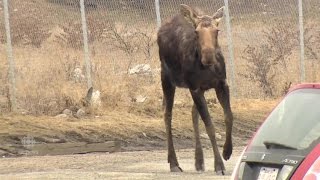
(295, 122)
(313, 135)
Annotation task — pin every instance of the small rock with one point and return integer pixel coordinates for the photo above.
(80, 113)
(24, 113)
(144, 134)
(140, 99)
(218, 136)
(56, 141)
(204, 136)
(78, 75)
(95, 99)
(177, 102)
(211, 101)
(67, 112)
(61, 116)
(140, 69)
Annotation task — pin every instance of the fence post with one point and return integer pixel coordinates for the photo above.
(230, 48)
(302, 67)
(11, 74)
(157, 4)
(85, 43)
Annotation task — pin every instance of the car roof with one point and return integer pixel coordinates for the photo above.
(305, 86)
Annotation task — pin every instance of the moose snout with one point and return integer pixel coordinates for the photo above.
(208, 57)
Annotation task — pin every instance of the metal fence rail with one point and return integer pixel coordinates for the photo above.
(49, 48)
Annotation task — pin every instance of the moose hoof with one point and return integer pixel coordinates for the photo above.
(227, 151)
(200, 167)
(176, 169)
(219, 167)
(220, 173)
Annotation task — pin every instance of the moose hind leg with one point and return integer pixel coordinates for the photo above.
(223, 96)
(199, 161)
(200, 102)
(168, 92)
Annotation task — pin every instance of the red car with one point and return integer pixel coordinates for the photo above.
(287, 144)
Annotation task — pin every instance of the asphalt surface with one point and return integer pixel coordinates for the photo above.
(121, 165)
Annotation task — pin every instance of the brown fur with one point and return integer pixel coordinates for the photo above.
(191, 58)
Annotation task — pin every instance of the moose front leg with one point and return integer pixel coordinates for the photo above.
(223, 96)
(200, 102)
(199, 161)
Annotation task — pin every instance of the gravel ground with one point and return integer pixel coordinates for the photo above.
(122, 165)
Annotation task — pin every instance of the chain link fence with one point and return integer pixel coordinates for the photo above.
(62, 47)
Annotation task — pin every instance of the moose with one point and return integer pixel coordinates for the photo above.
(191, 57)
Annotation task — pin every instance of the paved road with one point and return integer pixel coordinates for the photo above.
(122, 165)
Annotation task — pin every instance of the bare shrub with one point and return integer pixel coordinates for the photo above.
(5, 105)
(72, 35)
(260, 64)
(75, 3)
(40, 101)
(271, 56)
(72, 69)
(130, 40)
(148, 41)
(27, 30)
(123, 38)
(280, 41)
(312, 42)
(50, 97)
(286, 88)
(312, 48)
(65, 2)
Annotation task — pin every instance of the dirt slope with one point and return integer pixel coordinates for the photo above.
(137, 128)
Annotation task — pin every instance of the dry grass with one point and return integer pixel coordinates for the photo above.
(44, 73)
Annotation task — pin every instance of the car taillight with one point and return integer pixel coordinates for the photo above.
(285, 172)
(310, 166)
(314, 171)
(235, 173)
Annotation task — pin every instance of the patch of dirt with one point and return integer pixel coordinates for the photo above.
(137, 128)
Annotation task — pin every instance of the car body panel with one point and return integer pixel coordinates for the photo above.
(257, 159)
(307, 163)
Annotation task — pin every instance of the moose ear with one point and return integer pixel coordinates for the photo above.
(188, 13)
(218, 15)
